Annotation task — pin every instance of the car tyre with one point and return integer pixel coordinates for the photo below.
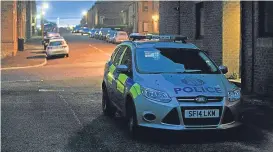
(131, 119)
(107, 108)
(67, 55)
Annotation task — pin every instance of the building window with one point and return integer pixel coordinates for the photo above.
(199, 12)
(145, 27)
(145, 6)
(265, 19)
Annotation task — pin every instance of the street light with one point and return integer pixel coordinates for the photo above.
(84, 13)
(43, 8)
(45, 5)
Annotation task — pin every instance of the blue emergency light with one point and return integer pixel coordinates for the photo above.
(159, 37)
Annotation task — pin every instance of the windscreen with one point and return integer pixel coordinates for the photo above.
(56, 43)
(173, 60)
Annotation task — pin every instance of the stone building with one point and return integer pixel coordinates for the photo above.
(236, 34)
(17, 21)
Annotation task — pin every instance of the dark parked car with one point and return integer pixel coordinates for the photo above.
(47, 37)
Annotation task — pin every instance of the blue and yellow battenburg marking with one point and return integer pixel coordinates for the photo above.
(123, 80)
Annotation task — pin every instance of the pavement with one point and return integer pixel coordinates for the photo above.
(57, 107)
(32, 56)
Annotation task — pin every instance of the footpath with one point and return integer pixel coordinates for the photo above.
(257, 109)
(32, 56)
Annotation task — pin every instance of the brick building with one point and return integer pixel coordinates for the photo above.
(142, 16)
(236, 34)
(106, 13)
(17, 21)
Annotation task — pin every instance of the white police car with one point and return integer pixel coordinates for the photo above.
(168, 84)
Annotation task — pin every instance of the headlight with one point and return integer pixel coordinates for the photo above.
(234, 95)
(155, 95)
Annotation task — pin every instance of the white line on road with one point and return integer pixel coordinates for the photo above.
(73, 112)
(50, 90)
(14, 81)
(99, 50)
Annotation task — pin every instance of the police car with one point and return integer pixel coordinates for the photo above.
(166, 83)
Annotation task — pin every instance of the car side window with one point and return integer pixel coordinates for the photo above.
(127, 60)
(118, 55)
(114, 54)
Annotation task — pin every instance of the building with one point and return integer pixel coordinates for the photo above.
(142, 16)
(17, 21)
(236, 34)
(105, 13)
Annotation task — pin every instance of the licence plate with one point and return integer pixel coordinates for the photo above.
(209, 113)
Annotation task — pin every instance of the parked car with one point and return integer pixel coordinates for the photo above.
(110, 35)
(57, 46)
(97, 34)
(47, 37)
(92, 33)
(180, 89)
(103, 32)
(120, 36)
(84, 31)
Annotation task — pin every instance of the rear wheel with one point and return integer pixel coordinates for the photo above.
(107, 108)
(67, 55)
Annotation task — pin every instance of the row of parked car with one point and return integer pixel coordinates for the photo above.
(107, 34)
(55, 45)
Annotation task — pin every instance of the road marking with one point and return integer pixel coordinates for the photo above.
(100, 50)
(73, 112)
(14, 81)
(25, 67)
(50, 90)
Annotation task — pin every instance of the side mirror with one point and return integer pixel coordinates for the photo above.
(224, 69)
(122, 68)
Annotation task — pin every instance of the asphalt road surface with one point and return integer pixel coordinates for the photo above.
(57, 108)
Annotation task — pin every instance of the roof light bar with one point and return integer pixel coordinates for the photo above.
(160, 37)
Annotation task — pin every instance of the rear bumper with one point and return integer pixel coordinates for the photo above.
(53, 53)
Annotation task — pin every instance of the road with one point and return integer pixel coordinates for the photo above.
(57, 107)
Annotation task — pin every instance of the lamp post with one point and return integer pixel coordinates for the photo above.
(84, 13)
(44, 7)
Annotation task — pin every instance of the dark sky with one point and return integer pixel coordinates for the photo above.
(69, 12)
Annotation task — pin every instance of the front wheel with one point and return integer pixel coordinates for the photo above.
(107, 109)
(133, 128)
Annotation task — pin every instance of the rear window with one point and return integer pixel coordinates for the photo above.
(53, 35)
(122, 33)
(56, 43)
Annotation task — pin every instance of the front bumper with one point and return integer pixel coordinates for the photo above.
(170, 116)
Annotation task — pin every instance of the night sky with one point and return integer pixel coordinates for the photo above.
(69, 12)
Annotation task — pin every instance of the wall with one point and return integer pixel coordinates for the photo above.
(8, 28)
(231, 37)
(257, 54)
(212, 40)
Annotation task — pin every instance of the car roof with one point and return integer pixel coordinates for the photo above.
(54, 40)
(158, 44)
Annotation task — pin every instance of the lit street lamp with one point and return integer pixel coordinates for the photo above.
(84, 13)
(43, 8)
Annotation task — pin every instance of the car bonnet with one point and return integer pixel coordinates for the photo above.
(185, 84)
